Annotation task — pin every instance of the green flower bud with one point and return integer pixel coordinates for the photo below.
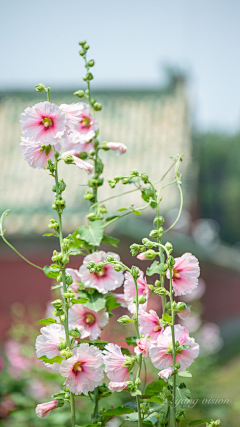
(117, 267)
(138, 382)
(181, 415)
(154, 234)
(89, 76)
(170, 263)
(110, 258)
(88, 195)
(103, 209)
(142, 299)
(58, 312)
(125, 180)
(83, 155)
(69, 280)
(157, 283)
(69, 294)
(135, 272)
(92, 270)
(124, 320)
(134, 172)
(159, 220)
(92, 152)
(177, 365)
(40, 87)
(86, 46)
(82, 52)
(79, 93)
(181, 306)
(91, 63)
(65, 259)
(57, 303)
(74, 333)
(161, 291)
(169, 247)
(60, 403)
(66, 352)
(82, 43)
(99, 266)
(148, 255)
(144, 177)
(97, 106)
(68, 160)
(62, 345)
(59, 278)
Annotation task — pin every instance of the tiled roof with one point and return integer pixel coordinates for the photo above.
(153, 125)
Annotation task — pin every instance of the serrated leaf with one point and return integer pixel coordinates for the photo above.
(51, 271)
(92, 234)
(79, 300)
(56, 359)
(155, 387)
(131, 341)
(197, 422)
(182, 395)
(155, 268)
(110, 241)
(96, 301)
(185, 374)
(119, 410)
(48, 321)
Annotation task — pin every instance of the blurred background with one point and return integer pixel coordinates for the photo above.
(167, 74)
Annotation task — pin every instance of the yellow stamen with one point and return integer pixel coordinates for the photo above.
(89, 319)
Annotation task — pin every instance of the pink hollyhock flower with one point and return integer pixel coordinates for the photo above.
(113, 360)
(18, 362)
(185, 274)
(166, 373)
(76, 276)
(150, 325)
(83, 370)
(81, 164)
(47, 343)
(80, 121)
(117, 147)
(161, 355)
(192, 322)
(37, 154)
(197, 293)
(130, 291)
(117, 386)
(105, 280)
(184, 314)
(141, 257)
(44, 409)
(44, 122)
(143, 346)
(87, 321)
(70, 141)
(120, 298)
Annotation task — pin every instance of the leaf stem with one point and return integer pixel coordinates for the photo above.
(173, 351)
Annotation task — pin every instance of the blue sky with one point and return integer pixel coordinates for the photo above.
(131, 41)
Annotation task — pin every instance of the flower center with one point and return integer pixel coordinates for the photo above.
(176, 274)
(77, 367)
(47, 122)
(85, 122)
(101, 272)
(89, 318)
(157, 328)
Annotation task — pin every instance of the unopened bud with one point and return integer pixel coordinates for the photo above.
(161, 291)
(91, 63)
(135, 272)
(169, 247)
(144, 177)
(40, 87)
(58, 312)
(79, 93)
(138, 382)
(117, 267)
(110, 258)
(74, 333)
(124, 320)
(97, 106)
(57, 303)
(181, 306)
(142, 299)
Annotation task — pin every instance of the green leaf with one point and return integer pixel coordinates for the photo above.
(167, 318)
(155, 387)
(56, 359)
(111, 241)
(75, 251)
(185, 374)
(184, 347)
(133, 416)
(198, 422)
(136, 212)
(147, 423)
(51, 271)
(136, 392)
(182, 395)
(125, 351)
(96, 301)
(48, 321)
(119, 410)
(111, 303)
(79, 300)
(155, 399)
(49, 234)
(131, 341)
(124, 209)
(92, 234)
(155, 268)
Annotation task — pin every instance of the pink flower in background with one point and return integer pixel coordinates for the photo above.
(76, 276)
(36, 154)
(117, 147)
(192, 322)
(113, 360)
(105, 280)
(185, 274)
(70, 141)
(130, 291)
(143, 346)
(88, 322)
(83, 370)
(81, 164)
(44, 122)
(37, 389)
(44, 409)
(166, 373)
(18, 362)
(210, 338)
(80, 121)
(47, 343)
(113, 386)
(163, 360)
(197, 293)
(150, 325)
(184, 314)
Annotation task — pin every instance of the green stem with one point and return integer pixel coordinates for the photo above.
(64, 282)
(121, 216)
(140, 359)
(173, 351)
(180, 209)
(162, 260)
(18, 253)
(96, 396)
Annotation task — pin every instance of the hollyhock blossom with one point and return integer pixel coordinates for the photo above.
(184, 314)
(44, 409)
(37, 154)
(76, 276)
(113, 386)
(197, 293)
(81, 164)
(44, 122)
(80, 121)
(162, 359)
(166, 373)
(17, 361)
(47, 343)
(117, 147)
(192, 322)
(113, 360)
(83, 370)
(185, 274)
(150, 325)
(105, 280)
(87, 321)
(130, 291)
(70, 141)
(143, 346)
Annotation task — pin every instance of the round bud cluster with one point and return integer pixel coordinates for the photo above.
(53, 224)
(50, 166)
(170, 263)
(58, 312)
(57, 303)
(162, 418)
(66, 352)
(214, 423)
(144, 406)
